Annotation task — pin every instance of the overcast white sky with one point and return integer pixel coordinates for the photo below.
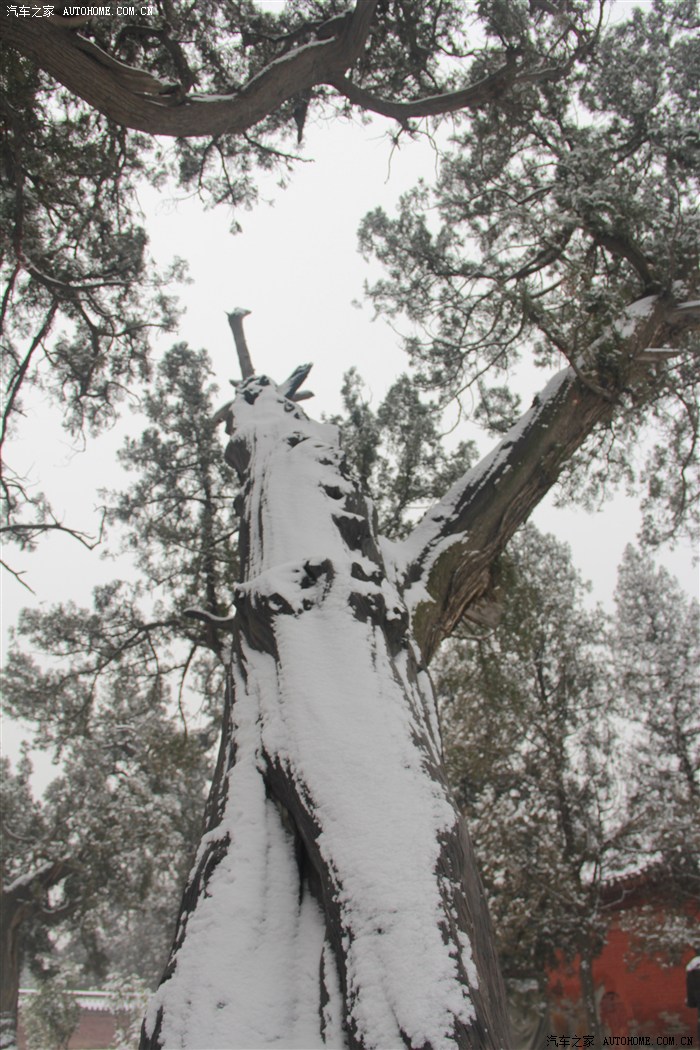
(295, 266)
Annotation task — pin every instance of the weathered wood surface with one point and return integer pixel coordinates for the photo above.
(335, 900)
(330, 799)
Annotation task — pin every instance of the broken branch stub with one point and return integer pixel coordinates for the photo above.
(290, 387)
(235, 319)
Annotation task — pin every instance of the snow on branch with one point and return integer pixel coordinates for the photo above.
(136, 99)
(445, 564)
(446, 561)
(47, 874)
(290, 387)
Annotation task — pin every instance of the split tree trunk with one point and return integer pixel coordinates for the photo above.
(335, 899)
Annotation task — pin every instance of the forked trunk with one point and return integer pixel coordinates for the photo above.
(335, 899)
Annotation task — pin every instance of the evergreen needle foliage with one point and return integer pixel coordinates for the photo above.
(572, 740)
(563, 229)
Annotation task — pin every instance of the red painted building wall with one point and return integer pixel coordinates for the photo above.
(637, 994)
(648, 999)
(96, 1027)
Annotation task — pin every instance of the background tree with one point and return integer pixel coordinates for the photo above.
(26, 882)
(52, 1016)
(656, 642)
(106, 691)
(113, 835)
(565, 737)
(178, 516)
(177, 524)
(532, 753)
(397, 452)
(393, 604)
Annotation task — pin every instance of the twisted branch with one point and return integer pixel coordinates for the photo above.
(136, 99)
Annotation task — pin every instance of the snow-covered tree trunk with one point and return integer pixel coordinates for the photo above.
(335, 899)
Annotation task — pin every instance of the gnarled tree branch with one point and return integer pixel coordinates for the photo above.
(483, 91)
(445, 564)
(138, 100)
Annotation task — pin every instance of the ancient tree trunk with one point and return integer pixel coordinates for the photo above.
(335, 899)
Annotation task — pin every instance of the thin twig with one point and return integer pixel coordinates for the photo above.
(17, 575)
(18, 377)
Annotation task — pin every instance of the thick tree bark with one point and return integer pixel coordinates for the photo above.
(136, 99)
(335, 898)
(445, 565)
(10, 923)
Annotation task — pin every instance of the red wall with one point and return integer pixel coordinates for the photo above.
(641, 998)
(95, 1031)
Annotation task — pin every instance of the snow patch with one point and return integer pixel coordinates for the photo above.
(426, 543)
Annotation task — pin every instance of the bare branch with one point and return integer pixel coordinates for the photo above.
(625, 248)
(478, 94)
(18, 528)
(235, 319)
(18, 378)
(26, 532)
(17, 575)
